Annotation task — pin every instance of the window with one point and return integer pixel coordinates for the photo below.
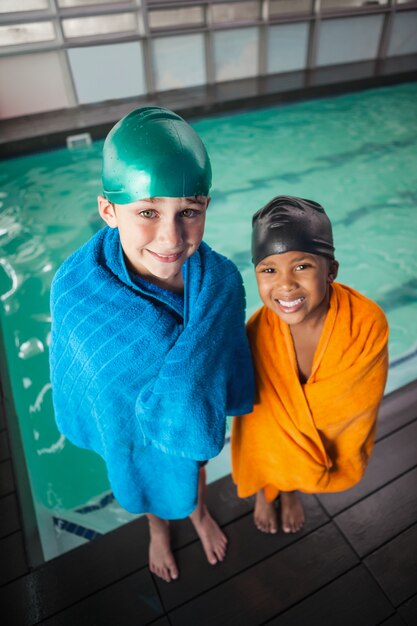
(99, 25)
(179, 61)
(403, 38)
(287, 47)
(236, 53)
(235, 12)
(169, 18)
(284, 7)
(349, 39)
(64, 4)
(15, 6)
(18, 34)
(351, 4)
(97, 75)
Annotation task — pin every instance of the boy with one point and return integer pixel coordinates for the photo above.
(320, 358)
(148, 346)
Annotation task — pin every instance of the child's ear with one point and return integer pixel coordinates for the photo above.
(107, 212)
(333, 269)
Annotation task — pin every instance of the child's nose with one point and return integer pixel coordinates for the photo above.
(287, 281)
(170, 233)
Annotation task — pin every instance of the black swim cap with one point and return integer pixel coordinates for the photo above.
(287, 223)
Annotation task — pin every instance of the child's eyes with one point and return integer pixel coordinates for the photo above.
(147, 213)
(151, 213)
(189, 213)
(298, 268)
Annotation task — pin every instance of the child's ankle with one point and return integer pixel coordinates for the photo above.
(156, 524)
(199, 513)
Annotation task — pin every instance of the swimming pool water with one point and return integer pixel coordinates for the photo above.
(354, 154)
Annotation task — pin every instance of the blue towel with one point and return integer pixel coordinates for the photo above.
(145, 380)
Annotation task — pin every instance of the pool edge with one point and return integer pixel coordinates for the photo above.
(23, 491)
(49, 130)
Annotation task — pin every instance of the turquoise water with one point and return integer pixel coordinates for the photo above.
(354, 154)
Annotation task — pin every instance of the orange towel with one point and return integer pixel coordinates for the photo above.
(317, 436)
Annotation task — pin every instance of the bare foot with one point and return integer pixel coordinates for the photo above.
(161, 559)
(292, 512)
(212, 537)
(265, 514)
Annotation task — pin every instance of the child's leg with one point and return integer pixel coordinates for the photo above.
(161, 559)
(213, 539)
(265, 514)
(292, 512)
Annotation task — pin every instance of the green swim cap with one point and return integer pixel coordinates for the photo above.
(154, 152)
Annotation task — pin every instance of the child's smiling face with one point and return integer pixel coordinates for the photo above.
(295, 285)
(158, 234)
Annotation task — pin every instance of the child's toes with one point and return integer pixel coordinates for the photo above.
(166, 575)
(220, 553)
(212, 558)
(261, 526)
(272, 526)
(223, 549)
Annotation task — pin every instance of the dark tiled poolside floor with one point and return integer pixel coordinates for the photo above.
(355, 562)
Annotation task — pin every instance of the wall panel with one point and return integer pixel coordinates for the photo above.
(31, 83)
